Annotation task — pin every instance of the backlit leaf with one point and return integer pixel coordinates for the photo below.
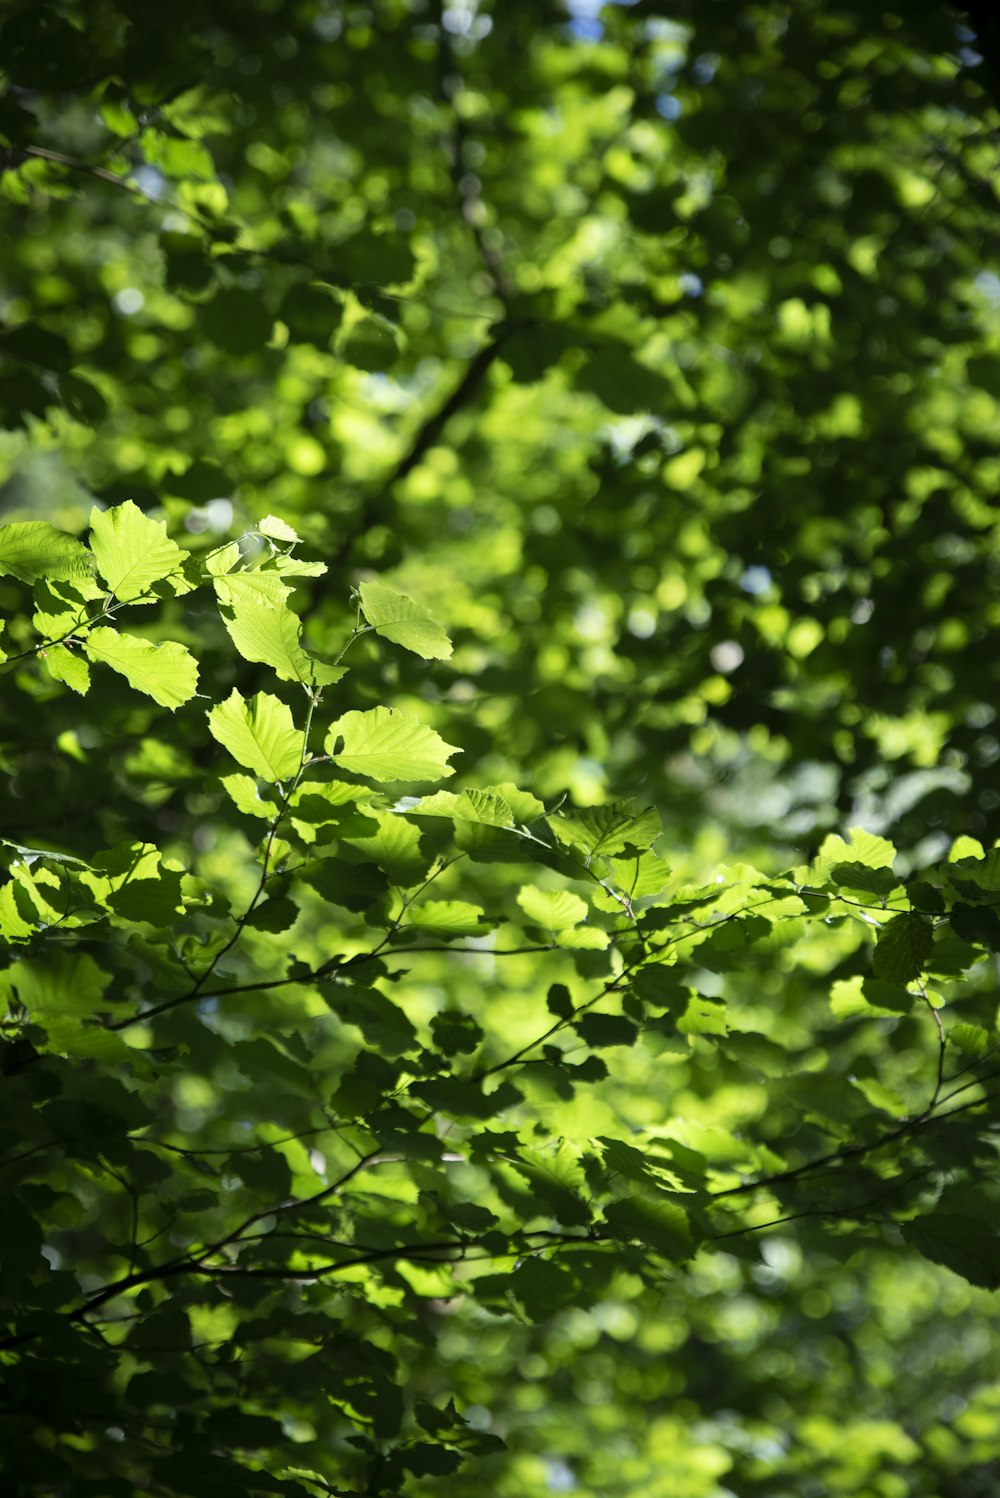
(32, 548)
(259, 734)
(396, 617)
(166, 671)
(556, 910)
(447, 917)
(133, 552)
(601, 831)
(264, 629)
(386, 746)
(964, 1244)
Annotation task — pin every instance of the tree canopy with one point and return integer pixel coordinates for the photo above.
(500, 660)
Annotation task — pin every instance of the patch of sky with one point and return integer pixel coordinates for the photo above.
(756, 580)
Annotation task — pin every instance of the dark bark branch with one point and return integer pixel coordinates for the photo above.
(376, 507)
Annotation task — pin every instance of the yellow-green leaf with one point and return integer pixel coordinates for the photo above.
(386, 745)
(133, 552)
(32, 548)
(167, 672)
(396, 617)
(259, 734)
(556, 910)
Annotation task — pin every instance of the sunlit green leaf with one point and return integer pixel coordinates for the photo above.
(556, 910)
(600, 831)
(386, 745)
(447, 917)
(165, 671)
(259, 734)
(396, 617)
(132, 551)
(33, 548)
(264, 629)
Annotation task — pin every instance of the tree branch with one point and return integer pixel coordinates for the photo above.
(373, 508)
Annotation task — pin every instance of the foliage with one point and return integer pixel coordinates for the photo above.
(500, 895)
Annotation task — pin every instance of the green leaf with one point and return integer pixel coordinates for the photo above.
(606, 1029)
(487, 808)
(62, 983)
(601, 831)
(456, 1033)
(974, 1040)
(134, 552)
(237, 321)
(370, 345)
(583, 938)
(557, 1182)
(355, 886)
(381, 1022)
(560, 1001)
(394, 848)
(556, 910)
(659, 1225)
(902, 948)
(265, 1171)
(62, 605)
(384, 745)
(312, 312)
(30, 549)
(876, 883)
(396, 617)
(132, 880)
(640, 875)
(465, 1097)
(888, 997)
(447, 918)
(259, 734)
(524, 806)
(244, 792)
(976, 923)
(978, 878)
(542, 1287)
(967, 1245)
(67, 666)
(862, 848)
(166, 671)
(321, 811)
(880, 1096)
(265, 630)
(703, 1017)
(868, 998)
(277, 530)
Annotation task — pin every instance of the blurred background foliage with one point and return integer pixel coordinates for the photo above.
(657, 350)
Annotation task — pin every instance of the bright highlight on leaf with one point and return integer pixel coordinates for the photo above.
(447, 917)
(67, 666)
(166, 671)
(30, 549)
(133, 552)
(277, 530)
(385, 745)
(556, 910)
(488, 808)
(600, 831)
(259, 734)
(396, 617)
(264, 629)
